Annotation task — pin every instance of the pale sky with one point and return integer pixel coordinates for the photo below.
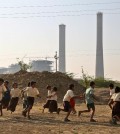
(31, 28)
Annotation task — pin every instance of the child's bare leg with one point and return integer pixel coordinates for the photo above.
(92, 114)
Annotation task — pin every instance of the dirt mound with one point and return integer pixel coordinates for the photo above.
(60, 80)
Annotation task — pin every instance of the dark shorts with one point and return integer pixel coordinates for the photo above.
(91, 106)
(67, 106)
(30, 101)
(47, 104)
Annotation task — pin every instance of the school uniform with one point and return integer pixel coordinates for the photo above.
(31, 94)
(112, 91)
(15, 94)
(116, 105)
(66, 100)
(6, 98)
(2, 90)
(48, 100)
(24, 98)
(89, 99)
(53, 106)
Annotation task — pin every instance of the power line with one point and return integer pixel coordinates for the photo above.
(55, 16)
(75, 11)
(78, 4)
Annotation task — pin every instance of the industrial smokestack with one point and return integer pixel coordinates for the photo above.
(99, 50)
(62, 60)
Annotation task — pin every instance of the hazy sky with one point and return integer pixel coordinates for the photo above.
(30, 27)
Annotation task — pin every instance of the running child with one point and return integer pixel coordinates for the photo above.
(6, 96)
(90, 97)
(66, 102)
(48, 98)
(24, 95)
(2, 90)
(115, 105)
(53, 106)
(15, 94)
(31, 92)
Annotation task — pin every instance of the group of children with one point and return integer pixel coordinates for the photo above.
(9, 100)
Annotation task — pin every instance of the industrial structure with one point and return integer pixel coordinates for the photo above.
(62, 59)
(41, 65)
(99, 49)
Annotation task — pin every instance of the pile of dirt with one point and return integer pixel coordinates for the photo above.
(60, 80)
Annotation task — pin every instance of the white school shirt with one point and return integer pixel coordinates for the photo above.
(116, 97)
(112, 91)
(32, 92)
(68, 95)
(15, 92)
(54, 96)
(49, 94)
(2, 90)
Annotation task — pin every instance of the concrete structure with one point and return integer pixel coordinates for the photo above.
(62, 60)
(99, 49)
(41, 65)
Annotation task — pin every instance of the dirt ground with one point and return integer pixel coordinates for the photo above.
(53, 124)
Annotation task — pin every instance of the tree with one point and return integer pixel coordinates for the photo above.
(86, 79)
(24, 66)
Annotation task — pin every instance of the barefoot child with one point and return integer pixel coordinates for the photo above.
(53, 106)
(115, 102)
(15, 94)
(66, 102)
(48, 98)
(90, 97)
(2, 90)
(24, 95)
(31, 92)
(6, 96)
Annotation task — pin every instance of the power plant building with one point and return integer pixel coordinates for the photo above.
(41, 65)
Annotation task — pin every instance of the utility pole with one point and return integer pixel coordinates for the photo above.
(56, 59)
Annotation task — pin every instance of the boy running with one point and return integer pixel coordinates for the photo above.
(89, 98)
(31, 92)
(66, 102)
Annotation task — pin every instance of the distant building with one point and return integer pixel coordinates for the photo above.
(13, 68)
(3, 70)
(41, 65)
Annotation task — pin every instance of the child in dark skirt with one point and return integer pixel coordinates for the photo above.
(15, 94)
(31, 92)
(6, 96)
(115, 105)
(2, 90)
(48, 98)
(53, 106)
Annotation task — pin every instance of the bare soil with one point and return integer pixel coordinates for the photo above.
(46, 123)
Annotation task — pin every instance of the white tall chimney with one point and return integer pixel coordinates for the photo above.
(99, 50)
(62, 60)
